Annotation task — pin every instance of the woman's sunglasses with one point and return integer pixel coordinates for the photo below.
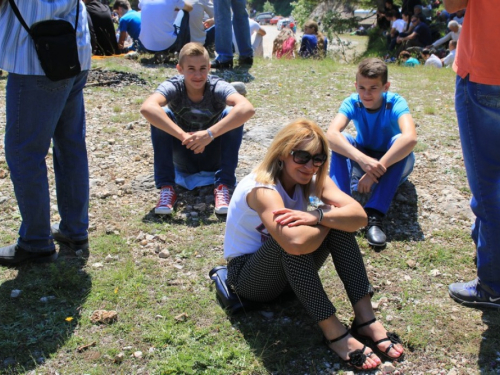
(303, 157)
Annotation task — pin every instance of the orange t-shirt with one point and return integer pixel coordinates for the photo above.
(478, 51)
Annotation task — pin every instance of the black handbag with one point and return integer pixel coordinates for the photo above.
(55, 44)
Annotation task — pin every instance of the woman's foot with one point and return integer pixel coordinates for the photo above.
(387, 343)
(351, 351)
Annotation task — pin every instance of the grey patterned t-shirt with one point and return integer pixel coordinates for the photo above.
(191, 116)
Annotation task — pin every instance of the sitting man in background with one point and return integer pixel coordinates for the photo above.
(454, 33)
(380, 158)
(197, 128)
(199, 34)
(420, 37)
(102, 30)
(256, 35)
(130, 25)
(450, 58)
(431, 59)
(397, 27)
(159, 34)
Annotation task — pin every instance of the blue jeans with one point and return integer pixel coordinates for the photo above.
(478, 113)
(38, 111)
(224, 32)
(346, 174)
(221, 155)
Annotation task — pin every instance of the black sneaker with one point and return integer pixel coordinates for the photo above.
(72, 244)
(474, 294)
(216, 64)
(375, 231)
(245, 62)
(14, 255)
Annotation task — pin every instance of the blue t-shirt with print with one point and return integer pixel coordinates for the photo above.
(375, 129)
(131, 23)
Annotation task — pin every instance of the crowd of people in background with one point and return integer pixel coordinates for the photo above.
(420, 32)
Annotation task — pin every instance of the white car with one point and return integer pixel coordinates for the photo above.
(284, 22)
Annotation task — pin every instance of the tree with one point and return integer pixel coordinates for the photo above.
(268, 7)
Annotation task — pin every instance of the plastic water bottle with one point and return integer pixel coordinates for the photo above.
(315, 201)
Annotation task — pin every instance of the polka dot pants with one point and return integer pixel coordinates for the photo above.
(264, 275)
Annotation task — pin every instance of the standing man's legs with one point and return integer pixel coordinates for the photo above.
(478, 113)
(36, 110)
(242, 31)
(223, 32)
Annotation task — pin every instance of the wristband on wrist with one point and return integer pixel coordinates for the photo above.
(320, 211)
(210, 134)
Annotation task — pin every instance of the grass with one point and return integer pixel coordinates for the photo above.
(166, 306)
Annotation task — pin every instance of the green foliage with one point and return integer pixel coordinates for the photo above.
(302, 10)
(268, 7)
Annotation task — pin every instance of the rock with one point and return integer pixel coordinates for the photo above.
(97, 265)
(138, 354)
(119, 357)
(110, 258)
(435, 272)
(127, 348)
(47, 299)
(15, 293)
(411, 263)
(387, 368)
(200, 206)
(453, 371)
(164, 254)
(375, 305)
(9, 362)
(104, 316)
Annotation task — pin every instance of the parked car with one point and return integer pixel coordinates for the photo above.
(275, 20)
(264, 18)
(284, 22)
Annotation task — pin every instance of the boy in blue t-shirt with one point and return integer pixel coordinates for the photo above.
(130, 24)
(196, 129)
(380, 158)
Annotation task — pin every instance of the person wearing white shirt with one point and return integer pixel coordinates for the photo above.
(256, 34)
(450, 58)
(431, 59)
(455, 30)
(196, 16)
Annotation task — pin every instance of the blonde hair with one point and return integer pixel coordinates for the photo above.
(193, 49)
(287, 140)
(283, 36)
(319, 36)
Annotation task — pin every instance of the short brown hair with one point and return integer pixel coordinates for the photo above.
(193, 49)
(121, 4)
(373, 68)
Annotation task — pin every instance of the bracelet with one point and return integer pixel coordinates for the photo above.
(320, 211)
(210, 134)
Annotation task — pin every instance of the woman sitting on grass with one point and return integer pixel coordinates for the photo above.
(314, 44)
(284, 44)
(273, 241)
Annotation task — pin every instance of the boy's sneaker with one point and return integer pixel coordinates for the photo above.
(474, 294)
(167, 200)
(61, 238)
(222, 198)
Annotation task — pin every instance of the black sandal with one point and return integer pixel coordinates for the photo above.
(356, 358)
(391, 336)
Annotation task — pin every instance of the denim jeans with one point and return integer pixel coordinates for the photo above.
(223, 32)
(478, 113)
(38, 111)
(346, 174)
(221, 155)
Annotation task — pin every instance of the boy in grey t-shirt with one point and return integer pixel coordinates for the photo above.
(193, 130)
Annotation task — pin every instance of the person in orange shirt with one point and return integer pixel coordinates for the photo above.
(477, 102)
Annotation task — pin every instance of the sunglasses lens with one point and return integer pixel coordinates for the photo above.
(301, 157)
(318, 160)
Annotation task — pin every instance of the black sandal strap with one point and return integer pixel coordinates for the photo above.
(358, 326)
(392, 337)
(336, 339)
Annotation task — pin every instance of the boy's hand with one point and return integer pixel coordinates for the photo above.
(365, 184)
(197, 141)
(372, 167)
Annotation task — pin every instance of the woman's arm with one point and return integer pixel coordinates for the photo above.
(295, 240)
(341, 211)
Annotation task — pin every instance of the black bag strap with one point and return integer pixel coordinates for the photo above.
(21, 19)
